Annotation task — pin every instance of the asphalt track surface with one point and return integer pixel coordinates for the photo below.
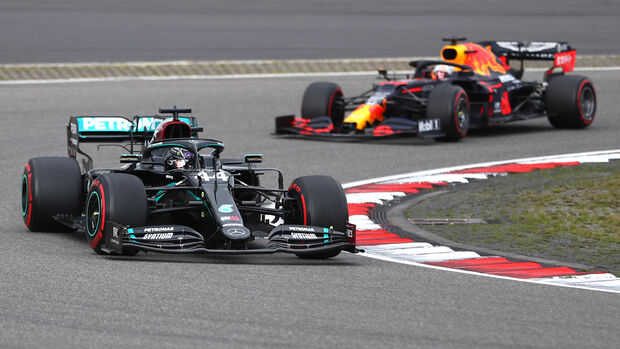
(39, 31)
(56, 292)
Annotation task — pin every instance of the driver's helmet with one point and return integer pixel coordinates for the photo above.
(442, 71)
(178, 158)
(170, 128)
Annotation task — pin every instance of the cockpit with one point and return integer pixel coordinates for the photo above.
(177, 154)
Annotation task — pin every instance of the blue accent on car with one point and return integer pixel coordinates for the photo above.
(226, 208)
(160, 194)
(192, 194)
(130, 231)
(212, 145)
(103, 124)
(168, 145)
(119, 123)
(98, 216)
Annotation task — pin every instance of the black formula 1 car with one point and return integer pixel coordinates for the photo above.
(176, 194)
(473, 86)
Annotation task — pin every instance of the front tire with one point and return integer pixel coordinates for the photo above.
(51, 186)
(322, 203)
(449, 104)
(323, 99)
(571, 101)
(114, 197)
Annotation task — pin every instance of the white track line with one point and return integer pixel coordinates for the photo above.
(544, 281)
(429, 175)
(233, 76)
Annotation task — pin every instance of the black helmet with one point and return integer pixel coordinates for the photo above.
(178, 158)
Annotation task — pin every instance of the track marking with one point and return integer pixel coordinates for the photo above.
(364, 196)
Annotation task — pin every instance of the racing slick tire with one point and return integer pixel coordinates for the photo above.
(450, 104)
(323, 99)
(571, 101)
(51, 186)
(114, 197)
(323, 204)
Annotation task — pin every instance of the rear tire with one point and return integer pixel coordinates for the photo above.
(449, 104)
(115, 197)
(323, 99)
(51, 186)
(571, 101)
(323, 204)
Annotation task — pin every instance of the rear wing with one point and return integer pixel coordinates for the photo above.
(562, 54)
(115, 129)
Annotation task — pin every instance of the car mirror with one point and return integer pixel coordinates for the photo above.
(253, 158)
(383, 73)
(130, 158)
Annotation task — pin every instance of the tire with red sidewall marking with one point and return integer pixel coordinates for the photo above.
(322, 203)
(571, 101)
(449, 104)
(114, 197)
(323, 99)
(51, 186)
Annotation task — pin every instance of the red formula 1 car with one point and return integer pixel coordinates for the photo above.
(473, 86)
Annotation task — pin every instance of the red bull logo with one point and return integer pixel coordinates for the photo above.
(366, 114)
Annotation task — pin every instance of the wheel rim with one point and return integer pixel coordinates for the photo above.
(587, 103)
(462, 116)
(93, 214)
(25, 195)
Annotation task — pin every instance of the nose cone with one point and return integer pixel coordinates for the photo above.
(366, 114)
(237, 233)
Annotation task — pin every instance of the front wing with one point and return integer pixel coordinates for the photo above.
(298, 239)
(321, 127)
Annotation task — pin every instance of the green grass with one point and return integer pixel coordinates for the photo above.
(570, 214)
